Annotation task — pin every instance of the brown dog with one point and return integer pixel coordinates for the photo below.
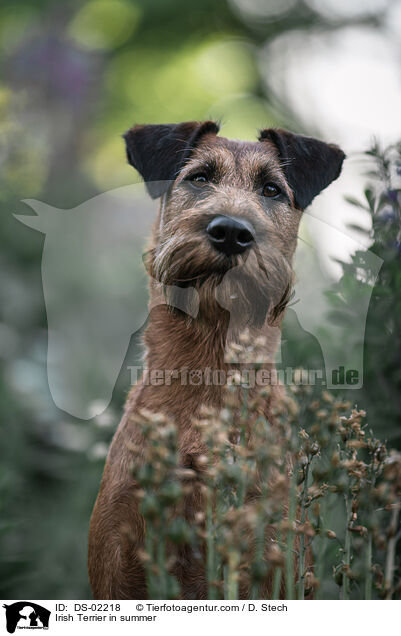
(225, 206)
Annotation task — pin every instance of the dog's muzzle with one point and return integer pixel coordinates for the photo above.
(230, 235)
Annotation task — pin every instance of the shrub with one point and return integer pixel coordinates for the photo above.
(313, 478)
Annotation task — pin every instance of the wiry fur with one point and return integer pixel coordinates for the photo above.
(180, 255)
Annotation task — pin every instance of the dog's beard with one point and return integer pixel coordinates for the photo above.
(252, 287)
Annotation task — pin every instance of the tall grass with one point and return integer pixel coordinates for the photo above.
(269, 488)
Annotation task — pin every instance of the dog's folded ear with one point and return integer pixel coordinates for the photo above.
(309, 165)
(158, 151)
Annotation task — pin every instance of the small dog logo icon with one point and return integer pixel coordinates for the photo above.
(26, 615)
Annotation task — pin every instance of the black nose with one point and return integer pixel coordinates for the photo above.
(230, 235)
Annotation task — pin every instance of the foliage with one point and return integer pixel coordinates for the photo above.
(270, 489)
(382, 343)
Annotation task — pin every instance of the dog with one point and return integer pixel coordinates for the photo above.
(226, 206)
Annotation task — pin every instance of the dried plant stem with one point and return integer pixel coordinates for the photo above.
(278, 573)
(390, 557)
(347, 550)
(289, 556)
(319, 566)
(258, 556)
(231, 575)
(161, 561)
(302, 548)
(369, 545)
(321, 553)
(368, 567)
(244, 416)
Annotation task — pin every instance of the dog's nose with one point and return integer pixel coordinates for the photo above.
(230, 235)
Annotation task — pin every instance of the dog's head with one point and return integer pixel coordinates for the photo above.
(230, 210)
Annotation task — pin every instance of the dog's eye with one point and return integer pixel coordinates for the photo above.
(270, 190)
(198, 180)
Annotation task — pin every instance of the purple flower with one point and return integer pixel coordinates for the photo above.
(396, 245)
(393, 195)
(386, 214)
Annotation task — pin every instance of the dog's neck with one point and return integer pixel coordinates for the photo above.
(176, 341)
(187, 347)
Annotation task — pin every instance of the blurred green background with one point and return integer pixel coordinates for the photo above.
(74, 76)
